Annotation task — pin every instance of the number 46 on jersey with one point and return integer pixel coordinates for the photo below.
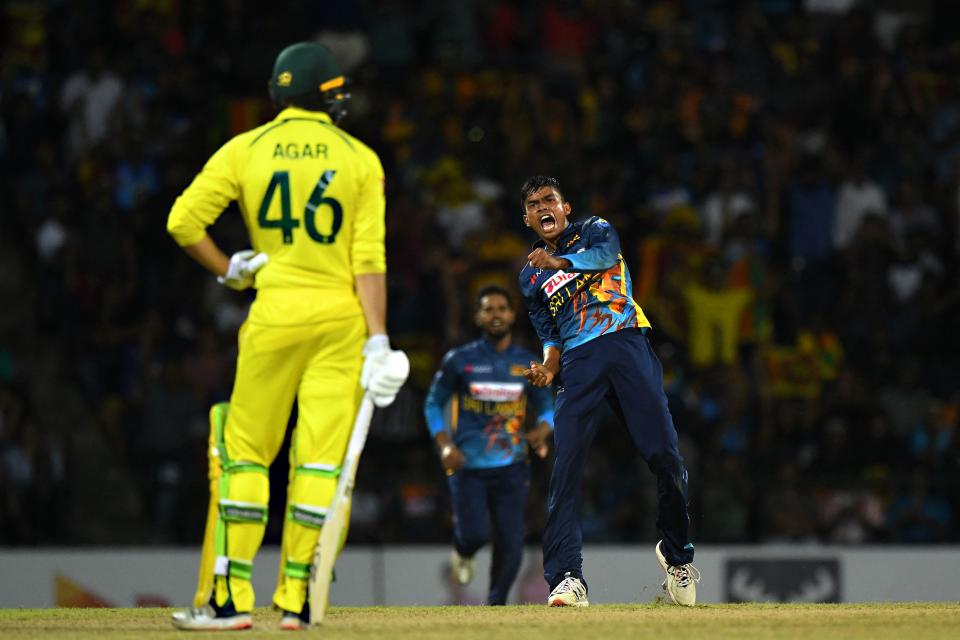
(287, 223)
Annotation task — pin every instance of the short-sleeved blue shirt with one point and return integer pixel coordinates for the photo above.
(487, 393)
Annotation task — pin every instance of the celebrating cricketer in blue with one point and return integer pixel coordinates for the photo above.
(578, 294)
(482, 442)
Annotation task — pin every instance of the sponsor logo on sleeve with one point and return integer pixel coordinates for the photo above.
(537, 274)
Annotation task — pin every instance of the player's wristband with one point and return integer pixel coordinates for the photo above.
(377, 343)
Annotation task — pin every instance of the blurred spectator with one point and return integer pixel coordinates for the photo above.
(174, 431)
(713, 316)
(459, 208)
(789, 510)
(905, 401)
(858, 197)
(136, 177)
(89, 99)
(668, 191)
(931, 439)
(911, 216)
(878, 451)
(917, 514)
(732, 199)
(851, 516)
(811, 205)
(727, 500)
(105, 505)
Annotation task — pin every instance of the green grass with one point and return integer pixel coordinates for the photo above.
(917, 621)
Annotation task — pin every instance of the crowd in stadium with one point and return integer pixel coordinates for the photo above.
(785, 176)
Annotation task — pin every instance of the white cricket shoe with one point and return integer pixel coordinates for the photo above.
(292, 622)
(569, 593)
(681, 581)
(461, 568)
(206, 618)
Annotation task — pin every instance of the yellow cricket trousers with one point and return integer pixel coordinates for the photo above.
(319, 365)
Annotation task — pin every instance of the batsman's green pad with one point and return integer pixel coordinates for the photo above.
(232, 510)
(236, 511)
(307, 515)
(311, 515)
(298, 570)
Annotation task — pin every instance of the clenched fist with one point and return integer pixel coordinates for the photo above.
(540, 259)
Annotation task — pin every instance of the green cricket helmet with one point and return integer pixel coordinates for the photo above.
(305, 74)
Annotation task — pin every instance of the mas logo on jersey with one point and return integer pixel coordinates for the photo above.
(556, 282)
(570, 242)
(517, 370)
(477, 368)
(496, 391)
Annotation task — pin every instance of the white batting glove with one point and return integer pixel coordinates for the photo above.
(243, 265)
(375, 351)
(384, 370)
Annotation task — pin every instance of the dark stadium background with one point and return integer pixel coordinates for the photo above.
(791, 168)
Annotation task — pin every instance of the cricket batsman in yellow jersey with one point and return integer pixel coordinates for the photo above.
(312, 198)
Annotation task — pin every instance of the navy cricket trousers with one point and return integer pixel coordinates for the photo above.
(622, 369)
(500, 492)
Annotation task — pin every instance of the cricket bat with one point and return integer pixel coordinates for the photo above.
(325, 555)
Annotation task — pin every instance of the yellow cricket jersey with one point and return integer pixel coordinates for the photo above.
(312, 198)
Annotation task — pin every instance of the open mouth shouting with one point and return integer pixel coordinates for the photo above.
(548, 222)
(546, 213)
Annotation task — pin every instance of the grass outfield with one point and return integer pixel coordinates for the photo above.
(741, 621)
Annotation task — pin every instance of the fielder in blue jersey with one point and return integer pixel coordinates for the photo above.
(483, 444)
(578, 294)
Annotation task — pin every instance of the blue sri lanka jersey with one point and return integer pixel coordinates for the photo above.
(569, 308)
(488, 403)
